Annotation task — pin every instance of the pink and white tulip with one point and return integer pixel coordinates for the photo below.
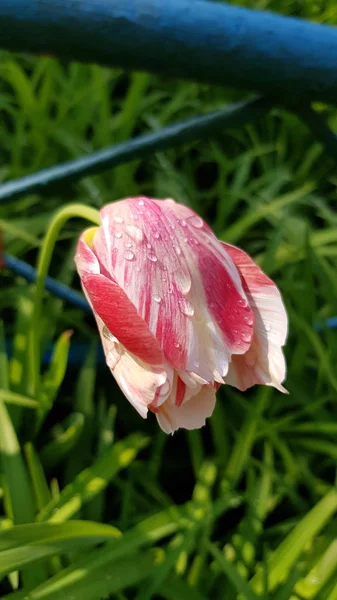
(179, 312)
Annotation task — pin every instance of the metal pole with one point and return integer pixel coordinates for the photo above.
(195, 39)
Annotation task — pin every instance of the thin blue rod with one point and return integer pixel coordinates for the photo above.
(77, 352)
(206, 41)
(196, 128)
(65, 293)
(58, 289)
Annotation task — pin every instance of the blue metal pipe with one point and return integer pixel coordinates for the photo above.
(284, 57)
(58, 289)
(196, 128)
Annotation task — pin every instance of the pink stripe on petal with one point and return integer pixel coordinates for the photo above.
(120, 317)
(180, 393)
(226, 302)
(264, 362)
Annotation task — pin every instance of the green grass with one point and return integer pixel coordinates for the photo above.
(94, 502)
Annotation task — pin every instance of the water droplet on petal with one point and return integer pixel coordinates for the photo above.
(196, 222)
(176, 345)
(135, 233)
(112, 358)
(186, 307)
(128, 244)
(183, 281)
(118, 220)
(267, 327)
(249, 319)
(108, 335)
(149, 246)
(243, 302)
(141, 202)
(118, 234)
(156, 235)
(129, 255)
(178, 250)
(152, 257)
(183, 223)
(246, 337)
(156, 298)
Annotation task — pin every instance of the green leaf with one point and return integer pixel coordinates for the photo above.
(17, 399)
(25, 544)
(321, 572)
(96, 583)
(66, 436)
(245, 439)
(17, 485)
(53, 378)
(93, 480)
(286, 555)
(39, 482)
(241, 586)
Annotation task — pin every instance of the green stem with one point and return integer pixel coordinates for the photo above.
(61, 217)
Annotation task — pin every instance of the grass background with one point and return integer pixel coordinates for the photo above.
(94, 502)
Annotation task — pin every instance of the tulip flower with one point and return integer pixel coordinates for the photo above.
(179, 312)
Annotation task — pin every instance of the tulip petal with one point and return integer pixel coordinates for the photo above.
(112, 305)
(192, 414)
(264, 362)
(181, 280)
(141, 383)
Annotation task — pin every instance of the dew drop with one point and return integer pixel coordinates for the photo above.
(112, 358)
(156, 235)
(246, 337)
(152, 257)
(128, 244)
(129, 255)
(186, 307)
(183, 281)
(249, 319)
(148, 246)
(243, 302)
(176, 345)
(108, 335)
(196, 222)
(177, 250)
(267, 327)
(118, 235)
(118, 220)
(156, 298)
(135, 233)
(141, 202)
(183, 223)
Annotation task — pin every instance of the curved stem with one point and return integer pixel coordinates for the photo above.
(61, 217)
